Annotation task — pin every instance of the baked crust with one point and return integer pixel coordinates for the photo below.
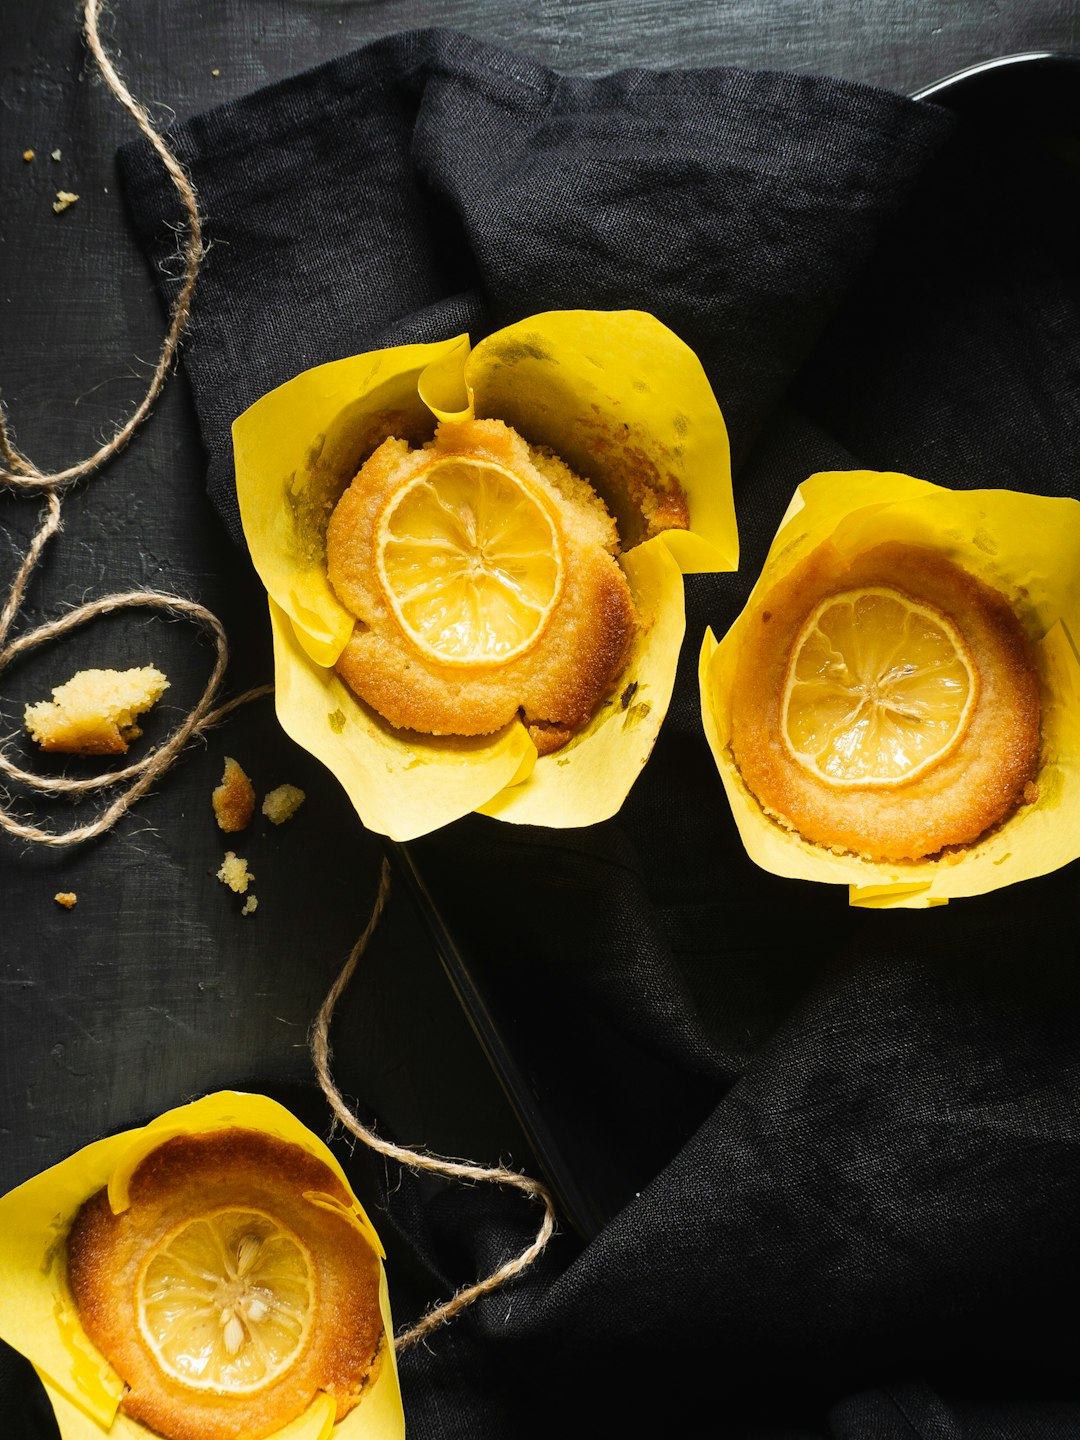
(233, 798)
(193, 1175)
(95, 712)
(973, 787)
(559, 682)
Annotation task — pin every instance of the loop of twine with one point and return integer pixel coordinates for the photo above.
(439, 1314)
(145, 772)
(21, 474)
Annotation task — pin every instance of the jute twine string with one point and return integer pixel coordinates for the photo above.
(419, 1159)
(143, 773)
(22, 475)
(22, 472)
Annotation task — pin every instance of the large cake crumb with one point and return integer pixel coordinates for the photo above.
(94, 712)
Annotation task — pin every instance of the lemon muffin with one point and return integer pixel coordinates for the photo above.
(886, 704)
(232, 1290)
(483, 578)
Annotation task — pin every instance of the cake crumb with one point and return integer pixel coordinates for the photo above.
(56, 154)
(234, 798)
(234, 872)
(94, 712)
(251, 904)
(215, 72)
(64, 200)
(28, 155)
(282, 804)
(66, 898)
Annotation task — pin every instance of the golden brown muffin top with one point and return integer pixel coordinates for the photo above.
(233, 1288)
(904, 627)
(549, 581)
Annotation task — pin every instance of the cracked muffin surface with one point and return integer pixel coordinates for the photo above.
(483, 578)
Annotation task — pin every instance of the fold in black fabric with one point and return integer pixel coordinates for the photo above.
(429, 185)
(839, 1150)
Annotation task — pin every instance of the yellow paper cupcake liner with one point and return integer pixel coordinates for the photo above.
(1027, 547)
(625, 403)
(38, 1316)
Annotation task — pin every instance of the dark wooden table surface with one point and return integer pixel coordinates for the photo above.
(155, 988)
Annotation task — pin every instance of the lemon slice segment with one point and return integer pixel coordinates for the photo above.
(878, 688)
(470, 561)
(225, 1301)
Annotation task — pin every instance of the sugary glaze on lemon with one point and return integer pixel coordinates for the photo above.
(481, 572)
(923, 733)
(226, 1301)
(470, 561)
(223, 1297)
(879, 688)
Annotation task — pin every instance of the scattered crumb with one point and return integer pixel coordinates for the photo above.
(215, 71)
(234, 799)
(28, 155)
(94, 712)
(66, 898)
(64, 200)
(234, 873)
(250, 906)
(56, 154)
(282, 804)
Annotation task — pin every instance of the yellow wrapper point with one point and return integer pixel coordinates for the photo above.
(402, 784)
(607, 755)
(298, 447)
(38, 1316)
(626, 404)
(1027, 547)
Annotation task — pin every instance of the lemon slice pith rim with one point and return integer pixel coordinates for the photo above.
(874, 692)
(226, 1300)
(479, 588)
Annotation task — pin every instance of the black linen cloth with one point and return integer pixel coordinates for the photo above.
(848, 1159)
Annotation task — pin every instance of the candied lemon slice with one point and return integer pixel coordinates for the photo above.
(469, 557)
(879, 687)
(225, 1301)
